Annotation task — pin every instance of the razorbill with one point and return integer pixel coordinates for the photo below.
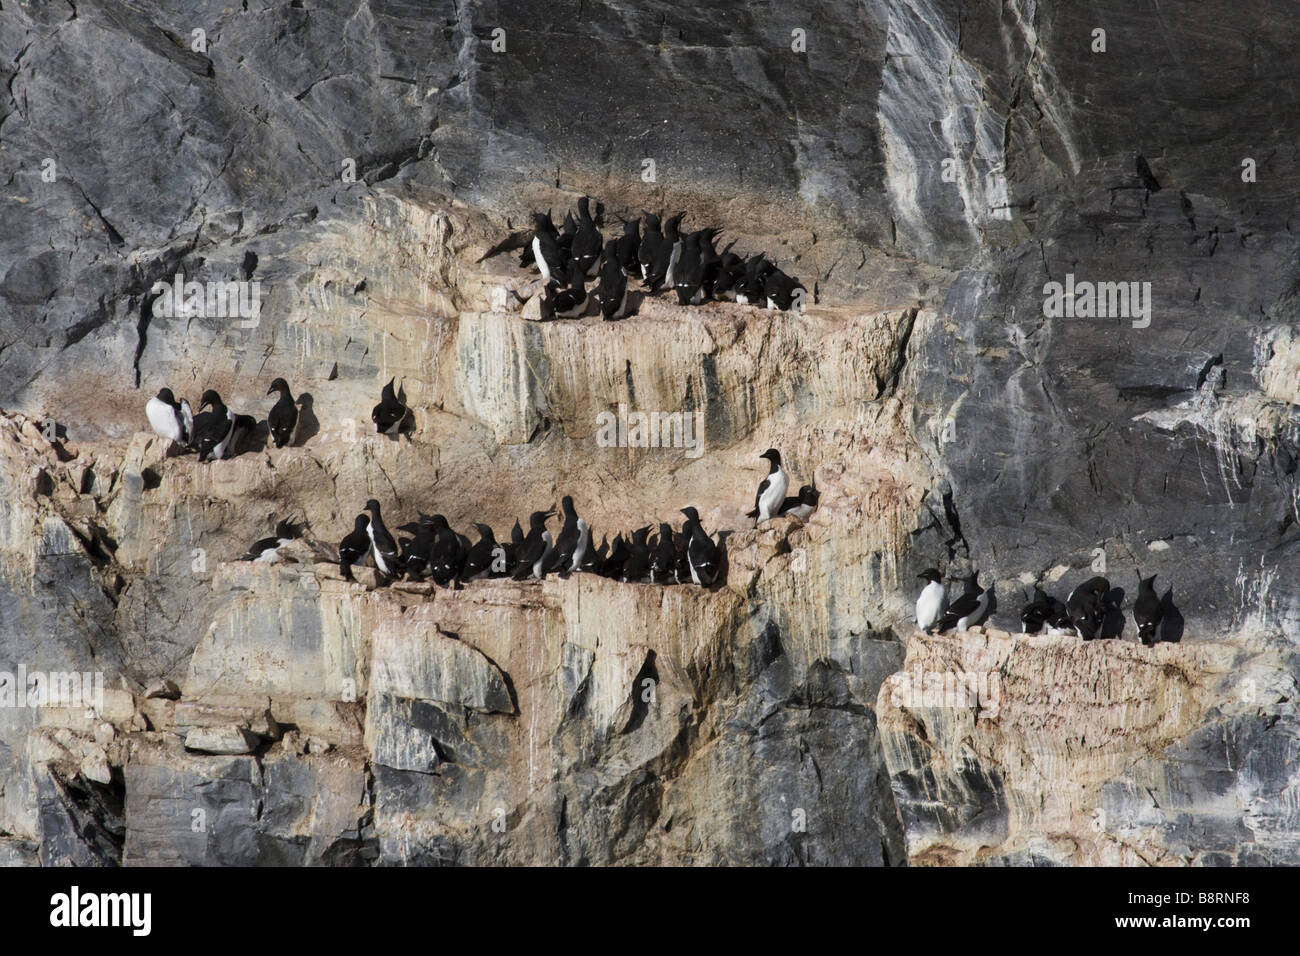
(648, 250)
(933, 600)
(170, 418)
(447, 556)
(637, 565)
(482, 554)
(779, 291)
(547, 254)
(1147, 610)
(242, 427)
(563, 556)
(968, 610)
(594, 558)
(283, 417)
(382, 546)
(671, 251)
(267, 550)
(587, 240)
(354, 546)
(612, 567)
(570, 302)
(688, 274)
(390, 413)
(753, 287)
(663, 559)
(710, 265)
(213, 429)
(701, 553)
(627, 246)
(612, 289)
(414, 552)
(771, 490)
(1036, 613)
(731, 273)
(536, 549)
(1086, 607)
(803, 506)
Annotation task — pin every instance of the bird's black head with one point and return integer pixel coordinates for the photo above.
(772, 455)
(631, 228)
(1100, 587)
(691, 513)
(567, 504)
(279, 385)
(361, 522)
(209, 399)
(485, 533)
(372, 506)
(538, 518)
(1147, 582)
(931, 574)
(809, 495)
(165, 395)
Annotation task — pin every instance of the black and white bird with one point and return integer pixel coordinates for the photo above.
(1035, 615)
(547, 254)
(355, 546)
(571, 301)
(382, 546)
(688, 272)
(701, 552)
(414, 551)
(663, 557)
(771, 490)
(637, 565)
(1147, 610)
(587, 241)
(530, 560)
(1086, 607)
(783, 292)
(170, 418)
(483, 554)
(283, 417)
(447, 556)
(213, 429)
(753, 287)
(627, 246)
(968, 610)
(571, 545)
(731, 273)
(648, 250)
(612, 567)
(267, 550)
(594, 559)
(932, 601)
(671, 251)
(612, 288)
(802, 506)
(390, 413)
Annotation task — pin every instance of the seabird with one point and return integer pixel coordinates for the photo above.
(536, 549)
(933, 600)
(482, 555)
(571, 302)
(779, 290)
(283, 417)
(242, 427)
(771, 490)
(594, 558)
(627, 246)
(968, 610)
(618, 555)
(587, 240)
(637, 565)
(1086, 607)
(648, 251)
(382, 546)
(547, 255)
(447, 557)
(170, 418)
(731, 273)
(612, 290)
(701, 552)
(354, 546)
(1147, 610)
(753, 288)
(803, 506)
(213, 429)
(671, 251)
(688, 273)
(267, 550)
(389, 414)
(565, 557)
(663, 559)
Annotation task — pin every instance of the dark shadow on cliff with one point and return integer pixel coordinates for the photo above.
(1113, 624)
(1171, 622)
(724, 566)
(308, 423)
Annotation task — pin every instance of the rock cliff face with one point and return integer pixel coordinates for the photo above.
(926, 167)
